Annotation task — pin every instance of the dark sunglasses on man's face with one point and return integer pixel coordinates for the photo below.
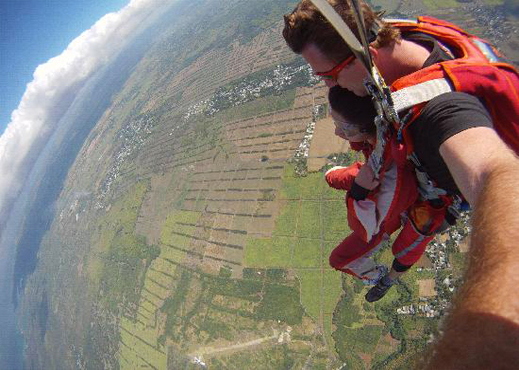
(333, 73)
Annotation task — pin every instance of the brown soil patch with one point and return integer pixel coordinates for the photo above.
(262, 227)
(151, 216)
(366, 359)
(464, 245)
(324, 142)
(223, 222)
(242, 222)
(220, 206)
(237, 239)
(219, 236)
(237, 272)
(442, 238)
(303, 97)
(424, 262)
(244, 207)
(427, 288)
(386, 345)
(210, 266)
(234, 255)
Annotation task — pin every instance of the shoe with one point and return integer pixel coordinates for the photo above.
(379, 290)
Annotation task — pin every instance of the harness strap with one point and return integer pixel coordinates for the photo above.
(429, 192)
(410, 96)
(426, 187)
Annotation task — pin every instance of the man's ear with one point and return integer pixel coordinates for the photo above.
(374, 54)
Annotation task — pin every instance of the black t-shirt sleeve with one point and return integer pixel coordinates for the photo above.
(441, 118)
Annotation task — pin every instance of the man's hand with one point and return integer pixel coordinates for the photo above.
(366, 178)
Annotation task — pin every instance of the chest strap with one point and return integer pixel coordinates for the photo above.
(413, 95)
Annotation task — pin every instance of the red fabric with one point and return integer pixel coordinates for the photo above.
(351, 248)
(363, 147)
(457, 39)
(399, 196)
(410, 243)
(342, 178)
(496, 84)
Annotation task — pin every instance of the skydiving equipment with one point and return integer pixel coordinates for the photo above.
(477, 70)
(379, 290)
(351, 131)
(333, 74)
(353, 256)
(393, 205)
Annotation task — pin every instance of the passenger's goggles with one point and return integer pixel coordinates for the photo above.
(348, 129)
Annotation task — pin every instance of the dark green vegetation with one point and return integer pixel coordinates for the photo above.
(127, 257)
(261, 301)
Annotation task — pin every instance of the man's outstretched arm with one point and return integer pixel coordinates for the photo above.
(482, 331)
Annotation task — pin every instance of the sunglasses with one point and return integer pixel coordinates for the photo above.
(333, 73)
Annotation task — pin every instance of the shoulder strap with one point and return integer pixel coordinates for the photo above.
(410, 96)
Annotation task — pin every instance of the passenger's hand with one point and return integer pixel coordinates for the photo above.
(366, 178)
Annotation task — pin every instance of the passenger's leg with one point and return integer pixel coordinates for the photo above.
(408, 247)
(352, 256)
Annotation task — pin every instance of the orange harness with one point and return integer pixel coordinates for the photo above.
(476, 71)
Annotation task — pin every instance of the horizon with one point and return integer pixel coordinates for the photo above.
(34, 32)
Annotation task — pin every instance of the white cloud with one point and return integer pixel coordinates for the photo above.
(49, 94)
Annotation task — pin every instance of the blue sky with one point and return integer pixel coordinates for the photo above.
(32, 32)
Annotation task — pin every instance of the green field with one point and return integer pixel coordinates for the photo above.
(440, 4)
(305, 248)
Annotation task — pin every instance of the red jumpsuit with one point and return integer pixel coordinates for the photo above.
(393, 204)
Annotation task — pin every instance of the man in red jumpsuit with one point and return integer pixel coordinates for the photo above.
(382, 207)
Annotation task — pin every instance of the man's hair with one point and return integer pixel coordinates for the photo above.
(306, 25)
(357, 110)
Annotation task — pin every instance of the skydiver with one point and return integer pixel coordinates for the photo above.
(376, 209)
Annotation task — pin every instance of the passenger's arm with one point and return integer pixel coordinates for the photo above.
(366, 178)
(482, 331)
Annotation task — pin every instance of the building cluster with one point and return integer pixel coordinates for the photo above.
(301, 154)
(493, 18)
(304, 146)
(130, 139)
(438, 253)
(281, 78)
(423, 308)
